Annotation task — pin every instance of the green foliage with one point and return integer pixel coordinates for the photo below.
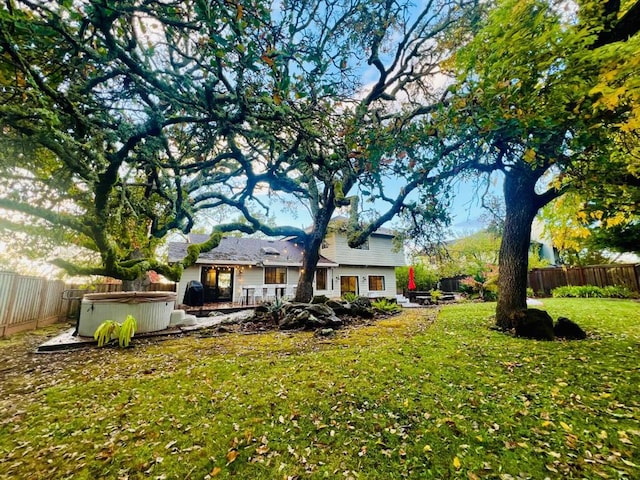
(252, 98)
(386, 305)
(106, 331)
(582, 229)
(483, 285)
(425, 277)
(349, 297)
(275, 309)
(412, 396)
(436, 295)
(467, 255)
(526, 103)
(109, 330)
(592, 291)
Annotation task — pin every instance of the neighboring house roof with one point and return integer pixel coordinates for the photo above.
(245, 251)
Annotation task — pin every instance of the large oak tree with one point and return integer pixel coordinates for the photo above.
(153, 111)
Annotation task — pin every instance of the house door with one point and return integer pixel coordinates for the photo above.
(348, 284)
(218, 284)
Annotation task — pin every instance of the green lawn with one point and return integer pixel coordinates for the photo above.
(409, 397)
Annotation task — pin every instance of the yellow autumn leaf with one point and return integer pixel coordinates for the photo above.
(231, 456)
(215, 471)
(427, 448)
(529, 155)
(456, 463)
(566, 427)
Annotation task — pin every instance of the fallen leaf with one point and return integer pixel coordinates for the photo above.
(231, 456)
(567, 427)
(215, 471)
(456, 463)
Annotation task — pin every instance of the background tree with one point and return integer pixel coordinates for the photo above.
(583, 233)
(528, 104)
(85, 155)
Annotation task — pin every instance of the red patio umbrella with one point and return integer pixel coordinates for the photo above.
(412, 279)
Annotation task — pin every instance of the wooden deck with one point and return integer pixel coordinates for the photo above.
(207, 308)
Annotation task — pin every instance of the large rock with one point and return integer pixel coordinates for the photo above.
(568, 329)
(358, 310)
(308, 316)
(294, 319)
(339, 308)
(320, 310)
(533, 323)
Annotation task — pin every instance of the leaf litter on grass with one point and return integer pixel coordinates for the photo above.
(400, 398)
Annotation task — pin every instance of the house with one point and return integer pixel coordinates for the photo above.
(252, 270)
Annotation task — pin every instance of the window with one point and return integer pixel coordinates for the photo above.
(275, 275)
(348, 284)
(376, 282)
(321, 279)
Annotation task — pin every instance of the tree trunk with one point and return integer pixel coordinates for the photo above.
(521, 207)
(304, 293)
(312, 244)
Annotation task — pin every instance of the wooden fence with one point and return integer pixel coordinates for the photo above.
(27, 303)
(546, 279)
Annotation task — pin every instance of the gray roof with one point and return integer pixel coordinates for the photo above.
(245, 251)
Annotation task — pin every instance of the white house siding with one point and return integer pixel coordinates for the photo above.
(363, 274)
(380, 253)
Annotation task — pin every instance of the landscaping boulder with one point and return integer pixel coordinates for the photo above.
(308, 316)
(339, 308)
(568, 329)
(361, 307)
(533, 323)
(320, 310)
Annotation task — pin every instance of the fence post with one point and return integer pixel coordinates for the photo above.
(44, 285)
(11, 300)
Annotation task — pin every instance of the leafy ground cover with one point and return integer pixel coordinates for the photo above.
(425, 394)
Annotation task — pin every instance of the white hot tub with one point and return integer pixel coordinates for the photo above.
(152, 310)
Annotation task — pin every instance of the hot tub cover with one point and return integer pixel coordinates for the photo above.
(130, 297)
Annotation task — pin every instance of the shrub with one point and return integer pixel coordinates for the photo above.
(483, 285)
(110, 329)
(349, 297)
(385, 305)
(276, 309)
(591, 291)
(436, 295)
